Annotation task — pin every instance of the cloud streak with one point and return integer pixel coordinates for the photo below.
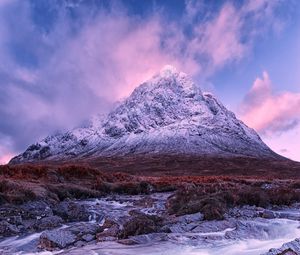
(56, 74)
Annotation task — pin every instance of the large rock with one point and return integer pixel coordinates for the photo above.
(53, 239)
(108, 231)
(81, 232)
(184, 223)
(81, 229)
(36, 210)
(140, 224)
(48, 223)
(71, 211)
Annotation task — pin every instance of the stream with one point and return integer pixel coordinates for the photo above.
(243, 235)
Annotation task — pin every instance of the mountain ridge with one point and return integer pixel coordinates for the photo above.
(167, 114)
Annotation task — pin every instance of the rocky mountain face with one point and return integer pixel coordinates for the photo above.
(168, 114)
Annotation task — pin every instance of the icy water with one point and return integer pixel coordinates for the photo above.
(283, 231)
(251, 237)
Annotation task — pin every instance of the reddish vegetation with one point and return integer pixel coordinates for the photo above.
(213, 199)
(182, 165)
(212, 189)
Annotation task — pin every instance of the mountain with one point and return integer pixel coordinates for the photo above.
(167, 114)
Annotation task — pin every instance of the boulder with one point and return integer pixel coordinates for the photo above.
(79, 233)
(36, 210)
(53, 239)
(109, 231)
(83, 228)
(71, 211)
(140, 224)
(48, 223)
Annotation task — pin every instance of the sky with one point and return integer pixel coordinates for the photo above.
(62, 61)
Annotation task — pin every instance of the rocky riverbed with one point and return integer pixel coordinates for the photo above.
(127, 224)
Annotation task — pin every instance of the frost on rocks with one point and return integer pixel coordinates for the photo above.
(167, 114)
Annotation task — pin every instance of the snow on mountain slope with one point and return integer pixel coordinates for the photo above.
(167, 114)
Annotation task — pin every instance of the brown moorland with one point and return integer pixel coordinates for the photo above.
(209, 185)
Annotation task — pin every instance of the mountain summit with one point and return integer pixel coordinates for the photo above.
(167, 114)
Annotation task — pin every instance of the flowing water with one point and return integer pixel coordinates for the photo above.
(253, 236)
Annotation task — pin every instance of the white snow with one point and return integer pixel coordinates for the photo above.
(169, 114)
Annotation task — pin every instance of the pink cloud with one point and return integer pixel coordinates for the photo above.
(221, 37)
(270, 112)
(81, 74)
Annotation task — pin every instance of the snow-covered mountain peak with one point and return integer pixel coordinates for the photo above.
(167, 114)
(165, 99)
(168, 70)
(170, 80)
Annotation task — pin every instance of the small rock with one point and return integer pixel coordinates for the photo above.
(88, 237)
(267, 214)
(127, 242)
(79, 244)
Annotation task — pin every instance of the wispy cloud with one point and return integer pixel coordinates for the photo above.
(55, 77)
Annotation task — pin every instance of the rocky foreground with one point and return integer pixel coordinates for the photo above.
(75, 208)
(138, 220)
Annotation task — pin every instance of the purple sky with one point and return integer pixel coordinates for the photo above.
(65, 60)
